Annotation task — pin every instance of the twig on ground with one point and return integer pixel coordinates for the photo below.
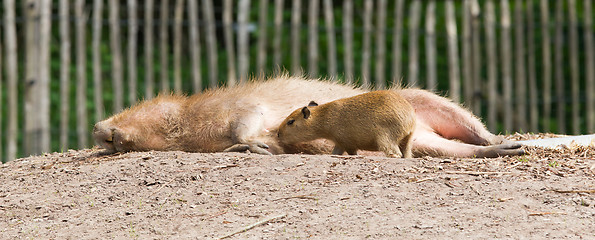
(252, 226)
(574, 191)
(161, 187)
(544, 213)
(224, 166)
(504, 199)
(299, 196)
(475, 173)
(215, 215)
(425, 179)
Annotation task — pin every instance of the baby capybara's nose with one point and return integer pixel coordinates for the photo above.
(103, 135)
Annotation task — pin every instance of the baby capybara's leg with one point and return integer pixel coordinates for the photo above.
(449, 119)
(405, 146)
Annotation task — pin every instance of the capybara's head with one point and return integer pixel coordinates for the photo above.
(299, 126)
(146, 126)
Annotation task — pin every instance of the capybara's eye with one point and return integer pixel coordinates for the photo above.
(290, 122)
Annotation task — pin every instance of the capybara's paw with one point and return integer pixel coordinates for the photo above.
(253, 147)
(497, 139)
(507, 149)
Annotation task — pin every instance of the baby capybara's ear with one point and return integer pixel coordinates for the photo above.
(312, 104)
(306, 112)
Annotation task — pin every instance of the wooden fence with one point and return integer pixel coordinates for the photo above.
(512, 62)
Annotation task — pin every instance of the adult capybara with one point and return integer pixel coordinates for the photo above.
(245, 117)
(375, 121)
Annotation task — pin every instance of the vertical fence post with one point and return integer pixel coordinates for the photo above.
(330, 33)
(11, 74)
(397, 42)
(194, 47)
(574, 71)
(506, 61)
(277, 37)
(178, 15)
(1, 105)
(492, 59)
(414, 19)
(207, 7)
(520, 78)
(531, 74)
(149, 77)
(467, 61)
(380, 44)
(116, 50)
(366, 42)
(44, 76)
(229, 43)
(589, 66)
(132, 32)
(453, 52)
(296, 29)
(547, 65)
(163, 46)
(313, 38)
(348, 40)
(558, 68)
(31, 13)
(432, 81)
(478, 83)
(262, 36)
(96, 58)
(81, 76)
(64, 73)
(243, 50)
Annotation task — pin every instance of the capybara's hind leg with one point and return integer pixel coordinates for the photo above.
(405, 146)
(390, 147)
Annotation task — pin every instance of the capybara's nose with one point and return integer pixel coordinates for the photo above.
(103, 135)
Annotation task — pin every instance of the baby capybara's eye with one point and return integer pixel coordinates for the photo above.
(290, 122)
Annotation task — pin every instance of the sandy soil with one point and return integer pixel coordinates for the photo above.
(163, 195)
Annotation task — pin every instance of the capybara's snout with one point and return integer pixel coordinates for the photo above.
(104, 135)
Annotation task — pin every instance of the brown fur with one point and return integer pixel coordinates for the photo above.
(245, 117)
(374, 121)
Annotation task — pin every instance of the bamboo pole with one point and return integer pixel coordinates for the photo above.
(453, 56)
(81, 78)
(574, 71)
(397, 42)
(296, 27)
(368, 5)
(208, 12)
(277, 37)
(243, 47)
(547, 65)
(229, 46)
(414, 19)
(432, 81)
(11, 74)
(149, 72)
(520, 76)
(132, 51)
(348, 40)
(263, 8)
(467, 60)
(194, 47)
(178, 15)
(506, 61)
(44, 76)
(32, 77)
(531, 74)
(589, 66)
(96, 58)
(380, 45)
(117, 82)
(332, 42)
(492, 59)
(558, 68)
(477, 79)
(163, 46)
(64, 73)
(313, 9)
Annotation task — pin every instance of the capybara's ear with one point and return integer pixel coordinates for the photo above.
(312, 104)
(306, 112)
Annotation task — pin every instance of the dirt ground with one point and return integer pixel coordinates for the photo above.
(87, 194)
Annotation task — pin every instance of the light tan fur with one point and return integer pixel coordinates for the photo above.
(375, 121)
(245, 117)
